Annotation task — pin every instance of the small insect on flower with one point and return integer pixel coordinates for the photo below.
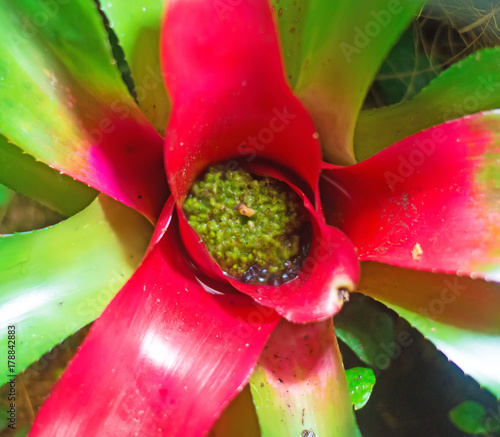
(244, 210)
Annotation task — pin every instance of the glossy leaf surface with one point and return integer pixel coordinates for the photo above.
(182, 354)
(63, 102)
(300, 387)
(458, 314)
(429, 202)
(137, 25)
(360, 381)
(56, 280)
(333, 51)
(34, 179)
(225, 109)
(469, 86)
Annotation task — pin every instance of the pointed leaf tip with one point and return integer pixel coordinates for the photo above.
(333, 51)
(360, 381)
(65, 103)
(429, 202)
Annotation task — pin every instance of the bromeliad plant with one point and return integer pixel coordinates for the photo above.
(243, 162)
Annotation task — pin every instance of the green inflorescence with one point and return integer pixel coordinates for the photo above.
(249, 224)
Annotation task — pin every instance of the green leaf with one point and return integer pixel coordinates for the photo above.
(360, 381)
(291, 24)
(64, 102)
(55, 280)
(469, 416)
(49, 57)
(458, 314)
(26, 175)
(137, 25)
(468, 87)
(335, 50)
(368, 331)
(239, 418)
(299, 386)
(5, 196)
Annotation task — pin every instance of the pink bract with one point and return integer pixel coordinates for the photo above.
(170, 347)
(180, 340)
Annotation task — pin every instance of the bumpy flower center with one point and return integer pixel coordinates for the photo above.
(254, 227)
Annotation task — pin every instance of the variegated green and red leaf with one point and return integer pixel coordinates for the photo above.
(64, 102)
(429, 202)
(137, 26)
(333, 50)
(166, 356)
(299, 386)
(467, 87)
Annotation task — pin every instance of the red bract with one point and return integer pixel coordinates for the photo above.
(225, 107)
(183, 351)
(428, 202)
(180, 339)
